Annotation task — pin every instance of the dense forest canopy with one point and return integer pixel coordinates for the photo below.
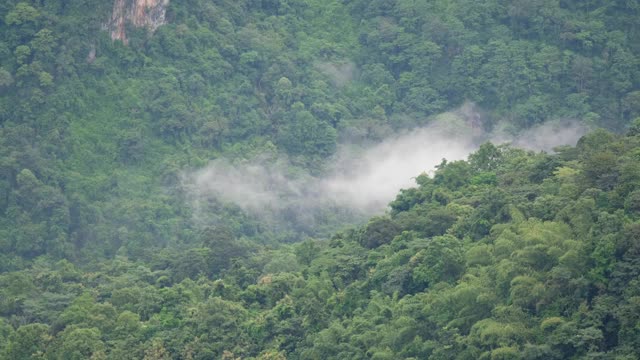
(108, 109)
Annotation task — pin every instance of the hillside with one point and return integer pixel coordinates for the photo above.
(508, 255)
(172, 179)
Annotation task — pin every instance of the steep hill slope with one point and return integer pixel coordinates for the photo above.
(106, 123)
(508, 255)
(105, 106)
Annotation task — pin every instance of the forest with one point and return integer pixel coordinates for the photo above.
(117, 119)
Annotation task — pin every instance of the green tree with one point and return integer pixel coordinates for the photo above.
(379, 231)
(441, 260)
(80, 343)
(29, 342)
(21, 13)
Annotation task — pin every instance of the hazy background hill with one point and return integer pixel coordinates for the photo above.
(106, 105)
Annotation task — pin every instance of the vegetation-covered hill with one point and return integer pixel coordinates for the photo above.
(103, 129)
(509, 254)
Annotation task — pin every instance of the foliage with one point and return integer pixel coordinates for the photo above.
(510, 254)
(561, 286)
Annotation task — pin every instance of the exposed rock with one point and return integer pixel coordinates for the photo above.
(139, 13)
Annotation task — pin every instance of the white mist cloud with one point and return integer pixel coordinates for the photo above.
(364, 180)
(369, 181)
(252, 185)
(340, 73)
(359, 180)
(550, 134)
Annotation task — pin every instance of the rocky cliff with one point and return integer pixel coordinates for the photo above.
(139, 13)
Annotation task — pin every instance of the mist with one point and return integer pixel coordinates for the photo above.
(340, 73)
(368, 180)
(547, 136)
(359, 181)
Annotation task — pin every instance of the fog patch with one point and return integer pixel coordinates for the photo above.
(259, 184)
(551, 134)
(340, 73)
(284, 199)
(360, 180)
(369, 179)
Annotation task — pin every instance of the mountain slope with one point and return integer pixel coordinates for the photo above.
(510, 254)
(111, 125)
(105, 106)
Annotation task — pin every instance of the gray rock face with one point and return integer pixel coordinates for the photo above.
(139, 13)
